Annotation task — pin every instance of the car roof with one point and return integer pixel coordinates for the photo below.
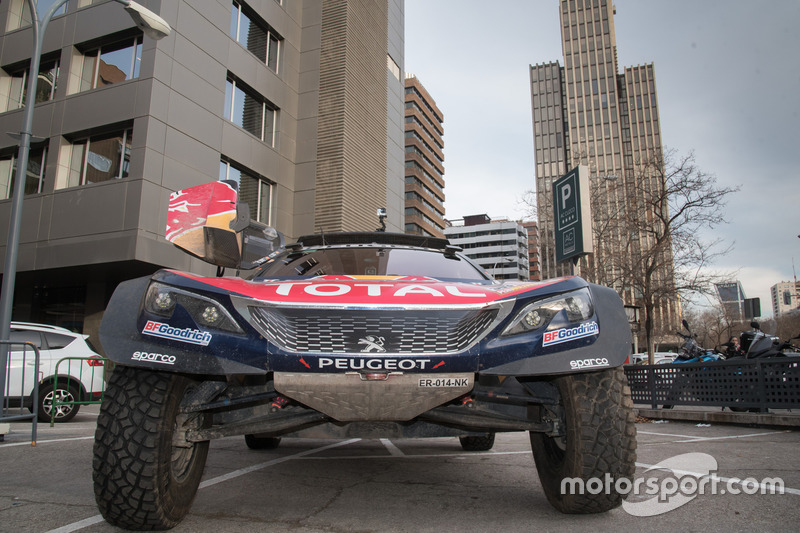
(374, 237)
(43, 327)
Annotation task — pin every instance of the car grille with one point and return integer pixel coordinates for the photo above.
(344, 331)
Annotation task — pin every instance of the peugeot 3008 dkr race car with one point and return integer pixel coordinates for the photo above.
(373, 335)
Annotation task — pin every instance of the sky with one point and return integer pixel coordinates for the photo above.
(728, 83)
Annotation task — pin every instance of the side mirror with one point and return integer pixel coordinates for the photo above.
(208, 222)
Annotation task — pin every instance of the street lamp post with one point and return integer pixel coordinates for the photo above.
(501, 260)
(152, 25)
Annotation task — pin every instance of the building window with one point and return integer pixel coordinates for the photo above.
(255, 35)
(111, 63)
(254, 190)
(34, 180)
(100, 158)
(19, 13)
(14, 83)
(391, 64)
(248, 110)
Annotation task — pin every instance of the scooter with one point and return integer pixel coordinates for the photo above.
(756, 344)
(691, 352)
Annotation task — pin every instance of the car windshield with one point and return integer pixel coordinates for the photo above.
(370, 261)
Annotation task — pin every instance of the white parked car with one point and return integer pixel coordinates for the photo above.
(659, 358)
(78, 379)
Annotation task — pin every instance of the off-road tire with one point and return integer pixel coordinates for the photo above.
(261, 443)
(477, 444)
(142, 480)
(66, 392)
(600, 439)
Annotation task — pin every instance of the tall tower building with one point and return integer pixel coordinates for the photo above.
(586, 112)
(299, 101)
(424, 161)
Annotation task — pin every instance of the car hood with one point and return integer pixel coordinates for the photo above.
(402, 291)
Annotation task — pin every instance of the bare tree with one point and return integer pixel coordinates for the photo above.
(785, 326)
(647, 230)
(669, 205)
(714, 326)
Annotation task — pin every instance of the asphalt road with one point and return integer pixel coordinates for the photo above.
(409, 485)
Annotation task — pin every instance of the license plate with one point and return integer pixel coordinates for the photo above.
(444, 382)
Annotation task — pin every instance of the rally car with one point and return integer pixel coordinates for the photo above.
(372, 335)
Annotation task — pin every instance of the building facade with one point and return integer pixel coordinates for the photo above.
(588, 113)
(732, 298)
(499, 246)
(424, 173)
(785, 297)
(299, 101)
(534, 269)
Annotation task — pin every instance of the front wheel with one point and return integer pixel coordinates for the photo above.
(599, 441)
(145, 475)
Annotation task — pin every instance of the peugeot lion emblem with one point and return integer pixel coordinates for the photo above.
(372, 343)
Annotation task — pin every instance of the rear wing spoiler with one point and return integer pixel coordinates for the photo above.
(208, 222)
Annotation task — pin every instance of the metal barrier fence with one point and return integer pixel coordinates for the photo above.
(17, 379)
(71, 394)
(740, 384)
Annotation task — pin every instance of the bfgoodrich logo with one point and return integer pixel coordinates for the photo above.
(192, 336)
(570, 334)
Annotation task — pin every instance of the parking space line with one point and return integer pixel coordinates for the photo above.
(260, 466)
(415, 456)
(394, 450)
(694, 438)
(75, 526)
(38, 442)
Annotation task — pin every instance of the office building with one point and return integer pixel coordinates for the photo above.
(731, 296)
(588, 113)
(534, 270)
(499, 246)
(424, 161)
(785, 297)
(299, 101)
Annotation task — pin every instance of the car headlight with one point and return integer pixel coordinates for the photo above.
(572, 307)
(162, 299)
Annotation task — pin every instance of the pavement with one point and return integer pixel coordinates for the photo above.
(416, 485)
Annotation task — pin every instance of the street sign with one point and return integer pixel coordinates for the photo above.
(572, 216)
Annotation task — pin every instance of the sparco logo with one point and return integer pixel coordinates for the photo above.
(598, 362)
(570, 334)
(153, 358)
(192, 336)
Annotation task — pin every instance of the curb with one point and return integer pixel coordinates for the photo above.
(722, 417)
